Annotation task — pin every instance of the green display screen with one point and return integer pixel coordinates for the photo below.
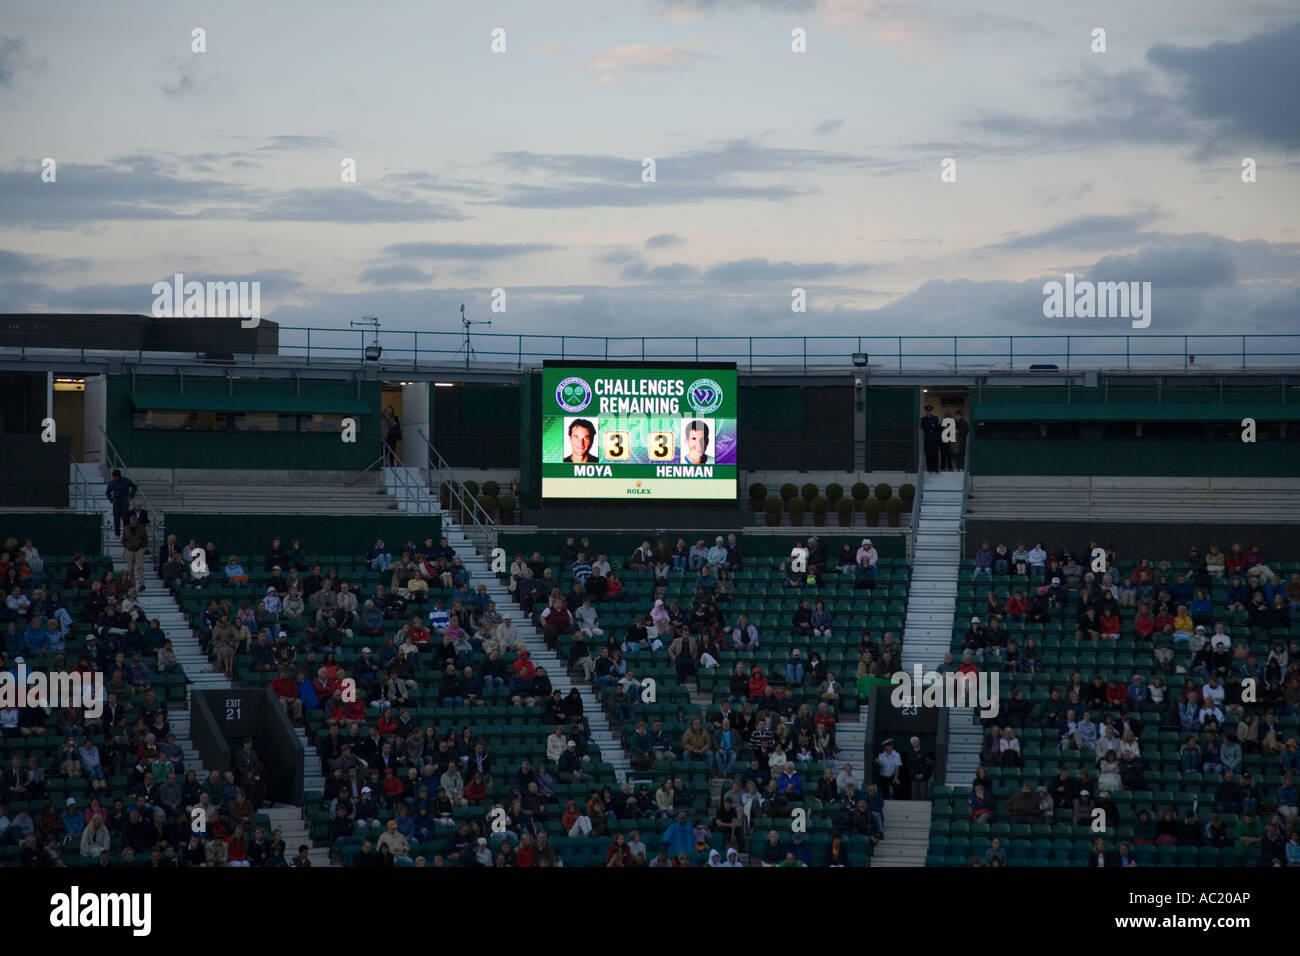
(616, 431)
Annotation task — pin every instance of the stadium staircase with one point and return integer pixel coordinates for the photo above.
(217, 491)
(931, 604)
(156, 602)
(907, 834)
(1103, 498)
(931, 601)
(410, 499)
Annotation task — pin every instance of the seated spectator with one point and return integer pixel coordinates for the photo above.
(1023, 806)
(802, 623)
(982, 808)
(744, 636)
(236, 576)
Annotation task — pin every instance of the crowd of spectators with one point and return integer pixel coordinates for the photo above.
(1228, 693)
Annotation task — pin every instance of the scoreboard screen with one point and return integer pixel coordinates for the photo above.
(619, 430)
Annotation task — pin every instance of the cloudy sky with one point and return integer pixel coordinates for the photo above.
(774, 169)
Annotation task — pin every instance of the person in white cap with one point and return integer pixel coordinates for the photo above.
(867, 554)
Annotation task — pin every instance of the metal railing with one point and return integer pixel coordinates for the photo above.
(403, 349)
(965, 490)
(916, 501)
(477, 524)
(110, 460)
(83, 493)
(1214, 351)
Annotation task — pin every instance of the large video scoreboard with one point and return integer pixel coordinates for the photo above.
(618, 430)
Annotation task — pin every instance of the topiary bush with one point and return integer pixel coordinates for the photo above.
(788, 491)
(834, 491)
(491, 488)
(757, 493)
(795, 506)
(893, 507)
(472, 487)
(819, 506)
(507, 505)
(871, 507)
(844, 508)
(860, 491)
(883, 491)
(908, 494)
(809, 491)
(488, 503)
(773, 508)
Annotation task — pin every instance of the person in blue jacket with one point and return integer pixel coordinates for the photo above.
(679, 837)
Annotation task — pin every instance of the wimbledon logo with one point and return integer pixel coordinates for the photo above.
(573, 394)
(704, 395)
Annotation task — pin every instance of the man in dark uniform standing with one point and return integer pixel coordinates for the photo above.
(930, 430)
(119, 492)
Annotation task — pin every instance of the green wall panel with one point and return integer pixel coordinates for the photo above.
(1136, 457)
(53, 533)
(249, 536)
(622, 545)
(319, 451)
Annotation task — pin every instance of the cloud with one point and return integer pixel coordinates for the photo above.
(394, 275)
(827, 126)
(641, 58)
(349, 204)
(754, 270)
(478, 251)
(576, 180)
(1215, 98)
(131, 189)
(135, 298)
(23, 264)
(1190, 266)
(663, 240)
(616, 257)
(1086, 232)
(1247, 89)
(676, 272)
(13, 57)
(185, 81)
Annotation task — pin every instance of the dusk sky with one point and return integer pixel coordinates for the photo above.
(774, 169)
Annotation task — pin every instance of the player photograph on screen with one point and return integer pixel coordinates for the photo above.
(579, 440)
(697, 441)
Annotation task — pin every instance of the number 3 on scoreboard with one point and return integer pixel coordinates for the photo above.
(661, 446)
(617, 445)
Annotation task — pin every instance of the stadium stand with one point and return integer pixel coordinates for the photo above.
(1166, 693)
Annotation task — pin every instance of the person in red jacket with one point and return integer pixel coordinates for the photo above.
(1145, 624)
(526, 856)
(1110, 627)
(619, 849)
(393, 785)
(286, 691)
(757, 685)
(419, 633)
(556, 620)
(237, 847)
(1116, 693)
(1017, 607)
(524, 667)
